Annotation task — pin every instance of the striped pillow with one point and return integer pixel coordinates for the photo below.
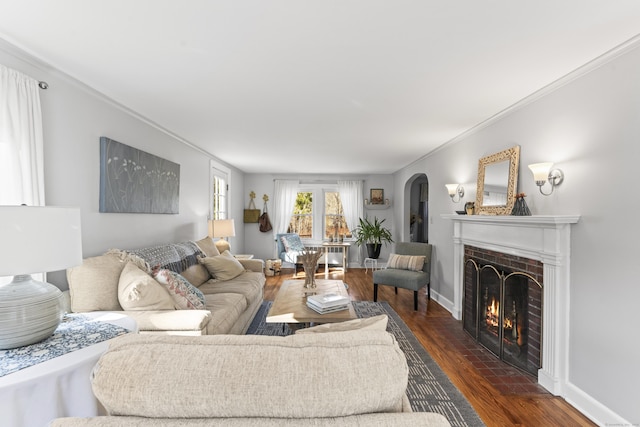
(406, 262)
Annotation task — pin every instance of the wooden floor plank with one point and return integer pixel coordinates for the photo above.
(502, 395)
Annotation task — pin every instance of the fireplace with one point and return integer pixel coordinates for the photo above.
(503, 306)
(541, 239)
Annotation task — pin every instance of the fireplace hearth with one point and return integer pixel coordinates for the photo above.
(545, 239)
(503, 306)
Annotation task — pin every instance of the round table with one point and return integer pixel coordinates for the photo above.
(59, 387)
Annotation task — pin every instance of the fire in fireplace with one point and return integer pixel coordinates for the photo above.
(503, 306)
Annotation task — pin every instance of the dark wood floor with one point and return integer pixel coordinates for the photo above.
(502, 395)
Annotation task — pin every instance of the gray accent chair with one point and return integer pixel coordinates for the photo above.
(414, 280)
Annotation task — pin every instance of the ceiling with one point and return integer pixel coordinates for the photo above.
(318, 86)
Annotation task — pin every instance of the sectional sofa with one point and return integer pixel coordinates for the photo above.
(186, 288)
(350, 378)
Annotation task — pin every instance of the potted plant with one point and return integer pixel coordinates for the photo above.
(372, 234)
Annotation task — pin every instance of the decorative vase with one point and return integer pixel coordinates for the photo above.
(469, 207)
(309, 261)
(520, 207)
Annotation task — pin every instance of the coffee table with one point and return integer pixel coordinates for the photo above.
(290, 305)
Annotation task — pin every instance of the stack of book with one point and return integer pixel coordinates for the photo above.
(327, 303)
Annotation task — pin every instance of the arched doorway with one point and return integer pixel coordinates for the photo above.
(418, 214)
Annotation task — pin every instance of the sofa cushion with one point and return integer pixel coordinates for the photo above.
(185, 296)
(139, 291)
(196, 274)
(375, 323)
(223, 267)
(172, 322)
(406, 262)
(225, 309)
(93, 285)
(249, 284)
(208, 247)
(326, 375)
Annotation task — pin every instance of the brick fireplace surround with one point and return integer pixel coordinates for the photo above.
(542, 238)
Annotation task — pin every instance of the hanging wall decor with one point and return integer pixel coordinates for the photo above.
(133, 181)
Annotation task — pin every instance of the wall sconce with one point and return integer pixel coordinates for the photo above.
(455, 189)
(542, 173)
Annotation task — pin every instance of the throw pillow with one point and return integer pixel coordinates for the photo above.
(139, 291)
(185, 296)
(292, 242)
(197, 274)
(207, 246)
(375, 323)
(93, 286)
(406, 262)
(223, 267)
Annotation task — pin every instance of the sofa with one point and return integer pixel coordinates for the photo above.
(186, 288)
(347, 378)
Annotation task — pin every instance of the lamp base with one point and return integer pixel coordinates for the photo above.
(30, 311)
(222, 245)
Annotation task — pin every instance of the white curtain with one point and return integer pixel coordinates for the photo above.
(351, 196)
(284, 194)
(21, 142)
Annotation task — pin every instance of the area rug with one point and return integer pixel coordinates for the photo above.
(429, 389)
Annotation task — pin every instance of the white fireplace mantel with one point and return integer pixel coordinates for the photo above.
(546, 238)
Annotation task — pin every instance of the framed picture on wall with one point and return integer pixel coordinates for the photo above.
(376, 195)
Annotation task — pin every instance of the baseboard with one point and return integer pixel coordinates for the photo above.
(592, 409)
(448, 305)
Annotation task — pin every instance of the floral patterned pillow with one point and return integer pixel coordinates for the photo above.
(185, 295)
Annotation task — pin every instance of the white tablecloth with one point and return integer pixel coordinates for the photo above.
(59, 387)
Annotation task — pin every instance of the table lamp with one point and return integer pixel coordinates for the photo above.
(223, 229)
(35, 239)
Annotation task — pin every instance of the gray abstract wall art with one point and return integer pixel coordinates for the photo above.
(134, 181)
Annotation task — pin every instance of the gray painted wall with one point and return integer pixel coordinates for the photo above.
(590, 127)
(74, 119)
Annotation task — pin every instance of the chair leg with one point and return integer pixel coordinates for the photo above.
(415, 300)
(375, 292)
(396, 291)
(429, 291)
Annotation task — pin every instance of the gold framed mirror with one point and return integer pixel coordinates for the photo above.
(497, 182)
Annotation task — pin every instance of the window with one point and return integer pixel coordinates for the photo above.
(334, 222)
(318, 214)
(302, 218)
(219, 193)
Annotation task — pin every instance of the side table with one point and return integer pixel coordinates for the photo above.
(59, 387)
(373, 262)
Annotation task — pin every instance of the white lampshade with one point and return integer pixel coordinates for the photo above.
(35, 239)
(221, 228)
(540, 171)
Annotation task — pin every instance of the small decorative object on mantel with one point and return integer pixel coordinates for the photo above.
(470, 208)
(520, 207)
(309, 261)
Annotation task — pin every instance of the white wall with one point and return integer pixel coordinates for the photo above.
(262, 245)
(590, 127)
(74, 118)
